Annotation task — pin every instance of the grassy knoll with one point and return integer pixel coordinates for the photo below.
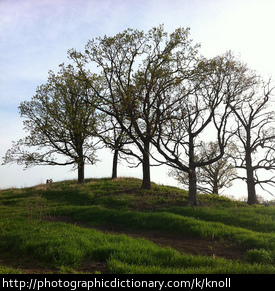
(61, 228)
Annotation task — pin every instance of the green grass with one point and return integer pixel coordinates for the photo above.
(25, 235)
(171, 222)
(9, 270)
(256, 218)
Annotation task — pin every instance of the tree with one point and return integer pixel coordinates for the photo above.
(255, 137)
(60, 123)
(114, 137)
(137, 71)
(214, 83)
(210, 178)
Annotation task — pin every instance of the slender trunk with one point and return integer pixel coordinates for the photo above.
(81, 179)
(80, 165)
(115, 160)
(146, 182)
(192, 187)
(215, 184)
(252, 198)
(215, 189)
(192, 174)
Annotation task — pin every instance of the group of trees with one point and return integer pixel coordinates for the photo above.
(152, 97)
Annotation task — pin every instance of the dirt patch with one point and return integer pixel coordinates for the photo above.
(182, 243)
(88, 266)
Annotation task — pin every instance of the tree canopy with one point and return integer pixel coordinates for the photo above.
(152, 96)
(139, 73)
(60, 123)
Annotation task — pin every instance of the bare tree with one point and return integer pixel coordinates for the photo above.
(210, 178)
(114, 137)
(214, 82)
(255, 143)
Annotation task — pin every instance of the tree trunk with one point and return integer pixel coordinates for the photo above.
(146, 182)
(80, 161)
(215, 189)
(115, 160)
(252, 198)
(81, 179)
(215, 185)
(192, 187)
(192, 174)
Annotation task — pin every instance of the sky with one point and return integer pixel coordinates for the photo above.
(36, 35)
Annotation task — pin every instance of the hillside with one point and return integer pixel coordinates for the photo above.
(106, 226)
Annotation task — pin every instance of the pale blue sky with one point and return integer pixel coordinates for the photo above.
(36, 34)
